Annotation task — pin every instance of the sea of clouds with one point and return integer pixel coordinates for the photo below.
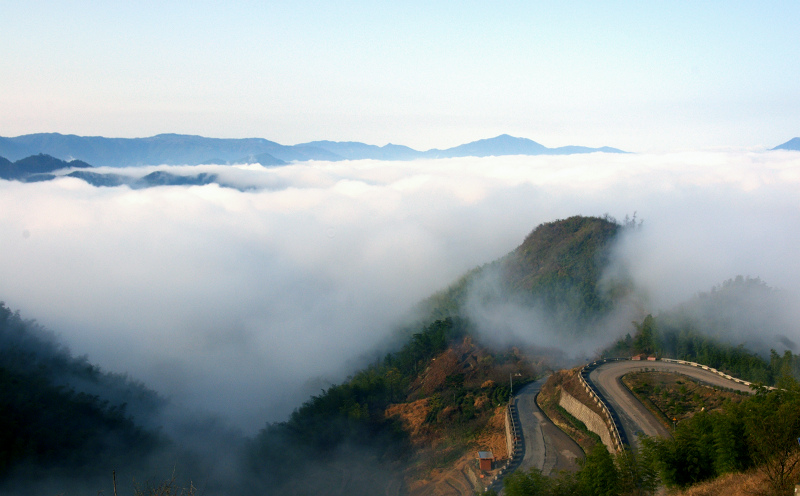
(243, 302)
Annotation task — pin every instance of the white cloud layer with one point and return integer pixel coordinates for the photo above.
(243, 303)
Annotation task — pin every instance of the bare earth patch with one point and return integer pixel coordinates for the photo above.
(412, 415)
(451, 413)
(440, 468)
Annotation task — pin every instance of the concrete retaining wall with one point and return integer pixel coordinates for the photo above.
(593, 421)
(612, 421)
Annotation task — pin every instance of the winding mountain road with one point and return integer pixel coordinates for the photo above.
(634, 417)
(548, 449)
(545, 446)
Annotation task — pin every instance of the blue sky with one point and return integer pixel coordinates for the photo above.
(643, 76)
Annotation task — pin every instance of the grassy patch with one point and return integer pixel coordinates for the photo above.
(577, 424)
(674, 396)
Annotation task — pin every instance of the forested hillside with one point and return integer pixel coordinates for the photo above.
(66, 426)
(726, 328)
(560, 265)
(60, 414)
(557, 269)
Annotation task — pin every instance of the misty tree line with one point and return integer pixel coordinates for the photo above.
(66, 426)
(702, 329)
(556, 271)
(46, 424)
(654, 338)
(558, 267)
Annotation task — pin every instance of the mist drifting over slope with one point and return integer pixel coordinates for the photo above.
(242, 303)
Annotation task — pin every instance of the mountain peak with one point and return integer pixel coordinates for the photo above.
(36, 165)
(792, 144)
(497, 146)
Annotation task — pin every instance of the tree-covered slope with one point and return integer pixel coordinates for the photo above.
(560, 264)
(36, 167)
(739, 327)
(60, 414)
(455, 382)
(558, 269)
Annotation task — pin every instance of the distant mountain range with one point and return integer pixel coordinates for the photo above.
(36, 168)
(177, 149)
(792, 144)
(173, 149)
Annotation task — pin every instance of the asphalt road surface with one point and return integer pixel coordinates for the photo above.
(634, 417)
(546, 447)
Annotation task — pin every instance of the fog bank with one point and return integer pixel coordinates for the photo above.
(244, 303)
